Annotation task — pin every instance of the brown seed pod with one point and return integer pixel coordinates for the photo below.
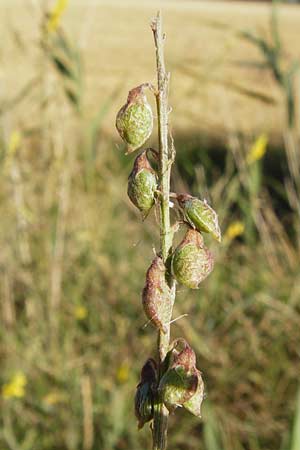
(142, 184)
(183, 354)
(192, 262)
(134, 121)
(157, 295)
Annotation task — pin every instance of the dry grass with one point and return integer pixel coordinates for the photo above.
(202, 56)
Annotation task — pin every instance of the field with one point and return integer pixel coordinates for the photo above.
(204, 55)
(74, 251)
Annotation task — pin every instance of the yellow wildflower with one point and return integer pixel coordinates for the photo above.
(123, 373)
(14, 141)
(13, 145)
(258, 149)
(55, 15)
(80, 312)
(234, 230)
(15, 387)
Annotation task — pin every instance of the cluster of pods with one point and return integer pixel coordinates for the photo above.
(191, 262)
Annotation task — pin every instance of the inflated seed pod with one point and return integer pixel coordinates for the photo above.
(142, 184)
(183, 354)
(200, 215)
(177, 386)
(144, 397)
(193, 405)
(135, 119)
(157, 295)
(180, 381)
(192, 262)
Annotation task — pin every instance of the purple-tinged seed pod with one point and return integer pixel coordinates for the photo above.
(192, 262)
(182, 384)
(157, 295)
(183, 354)
(134, 121)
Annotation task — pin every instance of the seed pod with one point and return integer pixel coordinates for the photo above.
(144, 396)
(192, 262)
(157, 295)
(177, 386)
(200, 215)
(135, 119)
(183, 354)
(193, 405)
(142, 184)
(180, 382)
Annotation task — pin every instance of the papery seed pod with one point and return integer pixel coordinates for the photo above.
(144, 397)
(200, 215)
(142, 184)
(177, 386)
(181, 384)
(192, 262)
(183, 354)
(193, 405)
(135, 119)
(157, 295)
(180, 354)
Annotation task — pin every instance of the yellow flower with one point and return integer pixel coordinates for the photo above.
(14, 141)
(234, 230)
(258, 149)
(15, 387)
(80, 312)
(12, 147)
(123, 373)
(56, 14)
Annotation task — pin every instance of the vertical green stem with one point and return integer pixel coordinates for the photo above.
(160, 423)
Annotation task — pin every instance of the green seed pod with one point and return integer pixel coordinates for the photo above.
(200, 215)
(142, 184)
(135, 119)
(144, 396)
(157, 295)
(180, 382)
(192, 262)
(177, 386)
(193, 405)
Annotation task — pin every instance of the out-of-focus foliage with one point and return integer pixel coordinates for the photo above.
(72, 265)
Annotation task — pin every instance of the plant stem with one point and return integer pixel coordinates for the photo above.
(160, 423)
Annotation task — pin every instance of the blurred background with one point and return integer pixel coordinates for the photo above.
(74, 251)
